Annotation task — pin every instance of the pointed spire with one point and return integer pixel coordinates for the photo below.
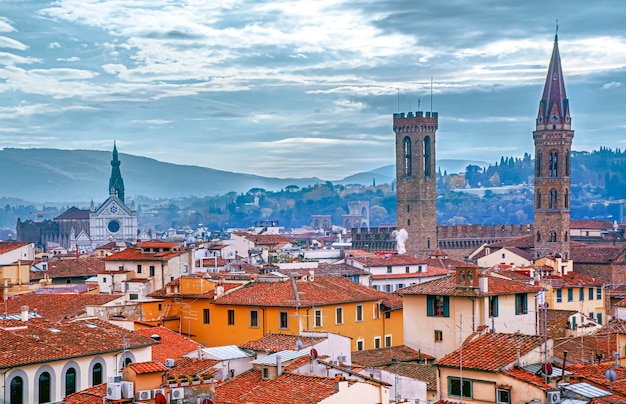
(116, 183)
(554, 105)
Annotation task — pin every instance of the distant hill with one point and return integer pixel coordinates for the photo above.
(53, 175)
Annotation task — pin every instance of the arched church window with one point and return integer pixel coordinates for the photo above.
(553, 236)
(566, 199)
(538, 199)
(17, 390)
(552, 204)
(538, 236)
(406, 146)
(567, 163)
(427, 157)
(538, 164)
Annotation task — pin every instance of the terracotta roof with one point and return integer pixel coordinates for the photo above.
(341, 269)
(264, 239)
(598, 255)
(428, 273)
(171, 346)
(417, 371)
(447, 263)
(594, 373)
(91, 395)
(524, 242)
(55, 307)
(162, 293)
(157, 244)
(74, 213)
(67, 268)
(556, 316)
(147, 367)
(280, 342)
(41, 340)
(448, 286)
(491, 351)
(385, 356)
(510, 274)
(324, 290)
(571, 279)
(289, 388)
(590, 224)
(385, 260)
(6, 246)
(528, 377)
(133, 254)
(583, 348)
(193, 366)
(392, 301)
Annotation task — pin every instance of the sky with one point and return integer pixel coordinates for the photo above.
(303, 88)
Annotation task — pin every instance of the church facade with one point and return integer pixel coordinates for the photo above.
(86, 229)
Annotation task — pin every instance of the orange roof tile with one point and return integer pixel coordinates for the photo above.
(55, 307)
(324, 290)
(386, 260)
(385, 356)
(6, 246)
(67, 268)
(571, 279)
(147, 367)
(528, 377)
(171, 346)
(417, 371)
(91, 395)
(132, 254)
(491, 351)
(280, 342)
(448, 286)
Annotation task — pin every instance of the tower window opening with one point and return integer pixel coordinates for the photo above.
(407, 157)
(553, 194)
(427, 157)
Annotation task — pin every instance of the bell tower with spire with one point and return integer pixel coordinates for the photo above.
(116, 183)
(553, 144)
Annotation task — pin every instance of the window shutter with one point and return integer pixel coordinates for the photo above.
(446, 306)
(517, 305)
(430, 306)
(495, 306)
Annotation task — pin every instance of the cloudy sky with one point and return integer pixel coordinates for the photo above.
(302, 87)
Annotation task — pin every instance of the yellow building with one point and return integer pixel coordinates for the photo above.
(577, 292)
(221, 314)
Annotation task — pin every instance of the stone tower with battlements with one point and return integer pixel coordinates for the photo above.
(416, 180)
(553, 144)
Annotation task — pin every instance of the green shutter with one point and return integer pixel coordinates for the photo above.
(495, 306)
(430, 306)
(446, 306)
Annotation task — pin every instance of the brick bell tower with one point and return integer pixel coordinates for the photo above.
(416, 180)
(553, 144)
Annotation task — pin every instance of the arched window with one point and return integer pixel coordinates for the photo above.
(128, 361)
(566, 237)
(552, 204)
(538, 236)
(538, 165)
(567, 163)
(428, 243)
(406, 146)
(96, 374)
(538, 199)
(44, 388)
(427, 157)
(17, 391)
(554, 164)
(70, 381)
(566, 199)
(553, 236)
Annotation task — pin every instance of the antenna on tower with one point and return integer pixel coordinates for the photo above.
(431, 95)
(418, 104)
(398, 99)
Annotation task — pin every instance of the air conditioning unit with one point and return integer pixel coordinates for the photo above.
(144, 395)
(178, 393)
(170, 363)
(553, 397)
(115, 379)
(114, 391)
(128, 389)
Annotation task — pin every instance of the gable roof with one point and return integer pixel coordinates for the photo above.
(274, 342)
(491, 351)
(598, 255)
(571, 280)
(56, 307)
(385, 356)
(324, 290)
(68, 268)
(386, 260)
(171, 345)
(94, 394)
(6, 246)
(74, 213)
(135, 254)
(447, 286)
(417, 371)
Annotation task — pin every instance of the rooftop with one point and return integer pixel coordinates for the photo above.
(448, 286)
(385, 356)
(273, 342)
(171, 345)
(56, 307)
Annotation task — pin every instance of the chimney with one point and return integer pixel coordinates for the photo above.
(279, 366)
(219, 290)
(24, 313)
(341, 384)
(483, 284)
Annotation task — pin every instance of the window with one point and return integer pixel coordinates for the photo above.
(283, 320)
(133, 296)
(388, 269)
(581, 294)
(96, 374)
(359, 312)
(599, 293)
(521, 303)
(376, 342)
(406, 145)
(138, 269)
(599, 318)
(438, 336)
(387, 340)
(552, 203)
(44, 387)
(160, 306)
(590, 293)
(427, 157)
(266, 373)
(455, 389)
(387, 314)
(231, 317)
(151, 270)
(570, 294)
(438, 306)
(538, 192)
(254, 318)
(591, 315)
(70, 381)
(376, 309)
(359, 345)
(388, 288)
(317, 318)
(339, 315)
(406, 270)
(206, 316)
(503, 396)
(399, 285)
(559, 295)
(17, 390)
(493, 306)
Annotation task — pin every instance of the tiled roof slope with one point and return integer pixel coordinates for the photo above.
(491, 351)
(528, 377)
(590, 224)
(280, 342)
(94, 394)
(171, 346)
(334, 269)
(598, 255)
(448, 286)
(162, 293)
(385, 356)
(385, 260)
(70, 268)
(147, 367)
(594, 373)
(6, 246)
(417, 371)
(193, 366)
(289, 388)
(41, 340)
(133, 254)
(74, 213)
(323, 290)
(580, 349)
(571, 279)
(55, 307)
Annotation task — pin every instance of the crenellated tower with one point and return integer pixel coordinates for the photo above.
(553, 144)
(416, 180)
(116, 183)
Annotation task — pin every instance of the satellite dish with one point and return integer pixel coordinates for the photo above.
(159, 398)
(610, 375)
